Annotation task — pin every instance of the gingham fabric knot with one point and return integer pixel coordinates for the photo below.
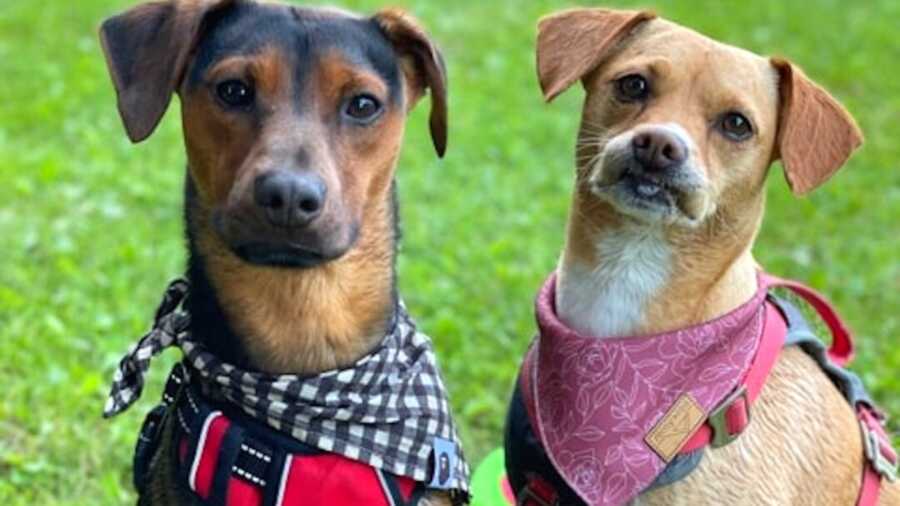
(169, 324)
(389, 409)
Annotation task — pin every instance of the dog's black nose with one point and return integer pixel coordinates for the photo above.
(659, 150)
(289, 199)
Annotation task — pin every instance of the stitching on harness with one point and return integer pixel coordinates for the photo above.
(256, 480)
(182, 421)
(201, 443)
(256, 453)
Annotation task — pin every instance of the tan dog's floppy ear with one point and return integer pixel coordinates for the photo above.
(424, 68)
(572, 43)
(816, 135)
(146, 51)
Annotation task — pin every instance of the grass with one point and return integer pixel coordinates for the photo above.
(91, 227)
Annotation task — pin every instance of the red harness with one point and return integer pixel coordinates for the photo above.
(229, 459)
(300, 478)
(732, 416)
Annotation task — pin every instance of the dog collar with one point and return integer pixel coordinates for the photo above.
(389, 410)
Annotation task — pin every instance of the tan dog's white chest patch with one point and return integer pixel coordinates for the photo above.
(609, 299)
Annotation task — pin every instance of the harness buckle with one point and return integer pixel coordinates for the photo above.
(879, 461)
(717, 419)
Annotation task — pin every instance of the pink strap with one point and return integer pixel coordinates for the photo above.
(841, 351)
(871, 488)
(737, 415)
(881, 449)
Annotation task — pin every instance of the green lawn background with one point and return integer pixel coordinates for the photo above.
(90, 226)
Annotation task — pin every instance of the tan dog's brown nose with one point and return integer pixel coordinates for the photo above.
(658, 150)
(289, 199)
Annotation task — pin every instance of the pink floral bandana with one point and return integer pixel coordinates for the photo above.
(596, 400)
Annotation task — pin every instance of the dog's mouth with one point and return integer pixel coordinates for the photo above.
(653, 197)
(637, 189)
(650, 190)
(305, 248)
(286, 256)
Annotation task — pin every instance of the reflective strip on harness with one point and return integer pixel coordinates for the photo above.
(203, 466)
(282, 484)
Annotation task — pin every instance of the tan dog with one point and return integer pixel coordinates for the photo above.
(677, 136)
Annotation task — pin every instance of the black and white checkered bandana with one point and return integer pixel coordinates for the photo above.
(389, 410)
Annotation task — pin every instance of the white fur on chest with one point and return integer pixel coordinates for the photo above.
(610, 299)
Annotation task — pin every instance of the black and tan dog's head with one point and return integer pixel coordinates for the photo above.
(677, 128)
(293, 117)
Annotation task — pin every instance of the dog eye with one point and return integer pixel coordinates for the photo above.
(736, 126)
(235, 93)
(632, 88)
(363, 107)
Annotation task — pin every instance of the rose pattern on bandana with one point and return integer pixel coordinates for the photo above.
(597, 399)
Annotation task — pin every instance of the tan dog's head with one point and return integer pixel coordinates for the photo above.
(293, 117)
(678, 128)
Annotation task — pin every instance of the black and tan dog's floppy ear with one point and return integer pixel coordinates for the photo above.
(146, 51)
(423, 68)
(572, 43)
(816, 135)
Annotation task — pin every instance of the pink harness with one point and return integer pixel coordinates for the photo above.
(612, 413)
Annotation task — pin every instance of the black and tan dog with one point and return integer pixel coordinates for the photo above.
(293, 120)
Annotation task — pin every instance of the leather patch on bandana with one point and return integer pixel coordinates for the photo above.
(675, 427)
